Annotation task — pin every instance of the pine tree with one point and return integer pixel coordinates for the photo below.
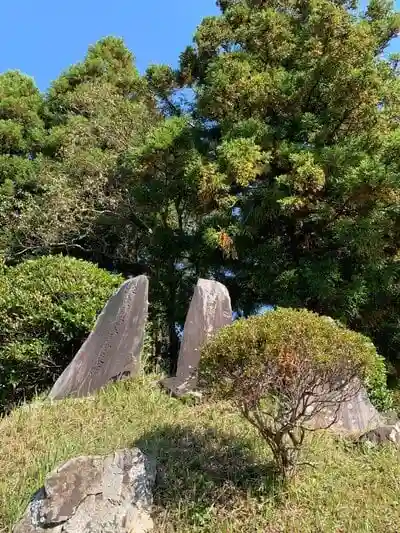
(301, 110)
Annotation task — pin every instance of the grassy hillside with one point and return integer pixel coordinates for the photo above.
(214, 474)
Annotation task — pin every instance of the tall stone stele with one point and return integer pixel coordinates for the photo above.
(209, 311)
(112, 350)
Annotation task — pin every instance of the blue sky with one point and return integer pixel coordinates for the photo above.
(43, 37)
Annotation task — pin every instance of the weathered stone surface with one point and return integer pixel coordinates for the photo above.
(390, 417)
(356, 415)
(210, 310)
(112, 350)
(382, 435)
(94, 495)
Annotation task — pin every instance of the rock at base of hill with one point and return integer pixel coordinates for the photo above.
(94, 494)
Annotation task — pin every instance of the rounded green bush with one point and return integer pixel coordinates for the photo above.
(242, 351)
(48, 306)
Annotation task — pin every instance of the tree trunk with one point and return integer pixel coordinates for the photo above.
(173, 347)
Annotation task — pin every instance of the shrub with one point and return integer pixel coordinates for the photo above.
(278, 368)
(48, 306)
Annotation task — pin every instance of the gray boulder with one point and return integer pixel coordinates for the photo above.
(111, 494)
(351, 411)
(382, 435)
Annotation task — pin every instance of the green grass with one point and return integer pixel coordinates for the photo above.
(214, 471)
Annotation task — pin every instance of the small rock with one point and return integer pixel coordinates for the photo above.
(353, 413)
(391, 417)
(94, 495)
(381, 435)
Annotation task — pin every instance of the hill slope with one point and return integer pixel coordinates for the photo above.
(214, 474)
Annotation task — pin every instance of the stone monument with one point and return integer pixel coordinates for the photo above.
(356, 414)
(210, 310)
(112, 350)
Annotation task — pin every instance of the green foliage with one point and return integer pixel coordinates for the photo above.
(282, 367)
(148, 349)
(164, 177)
(280, 177)
(108, 62)
(22, 134)
(97, 110)
(243, 349)
(242, 160)
(47, 308)
(21, 125)
(162, 80)
(301, 107)
(377, 386)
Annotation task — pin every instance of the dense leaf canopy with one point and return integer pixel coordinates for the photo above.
(278, 174)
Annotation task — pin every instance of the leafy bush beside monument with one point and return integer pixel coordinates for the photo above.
(284, 368)
(47, 308)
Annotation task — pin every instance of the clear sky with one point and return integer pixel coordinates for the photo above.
(44, 37)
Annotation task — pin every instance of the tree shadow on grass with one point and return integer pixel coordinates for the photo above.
(199, 470)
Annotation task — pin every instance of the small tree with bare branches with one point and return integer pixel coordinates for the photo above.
(285, 370)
